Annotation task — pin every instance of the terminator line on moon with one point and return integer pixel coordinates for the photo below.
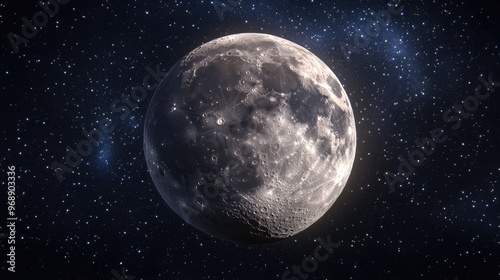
(250, 138)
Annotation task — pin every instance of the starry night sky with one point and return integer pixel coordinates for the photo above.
(443, 222)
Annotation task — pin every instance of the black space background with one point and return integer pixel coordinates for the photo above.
(441, 224)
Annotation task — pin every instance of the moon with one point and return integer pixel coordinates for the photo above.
(250, 138)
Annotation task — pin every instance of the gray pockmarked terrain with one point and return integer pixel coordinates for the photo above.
(426, 146)
(259, 126)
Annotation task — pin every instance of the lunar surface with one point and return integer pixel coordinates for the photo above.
(250, 138)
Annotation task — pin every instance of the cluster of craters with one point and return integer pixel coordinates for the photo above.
(250, 138)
